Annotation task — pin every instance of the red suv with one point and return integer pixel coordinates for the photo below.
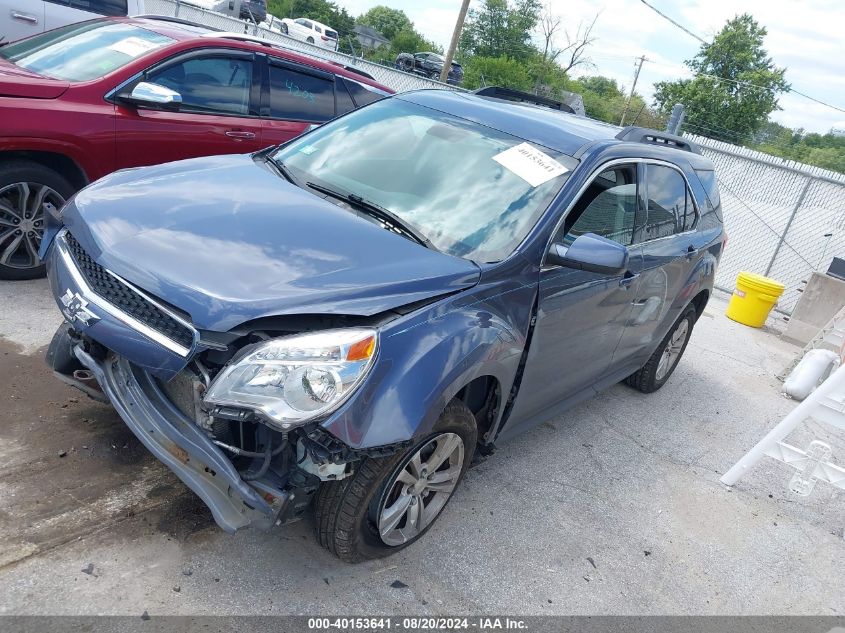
(82, 101)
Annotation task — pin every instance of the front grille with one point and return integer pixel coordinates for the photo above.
(126, 299)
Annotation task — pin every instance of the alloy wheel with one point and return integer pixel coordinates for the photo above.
(22, 206)
(420, 488)
(673, 349)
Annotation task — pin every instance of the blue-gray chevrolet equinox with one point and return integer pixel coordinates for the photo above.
(347, 319)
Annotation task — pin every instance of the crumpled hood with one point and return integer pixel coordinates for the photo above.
(226, 240)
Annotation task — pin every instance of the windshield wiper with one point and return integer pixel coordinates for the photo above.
(281, 168)
(388, 218)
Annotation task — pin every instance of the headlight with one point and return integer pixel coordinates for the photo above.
(295, 379)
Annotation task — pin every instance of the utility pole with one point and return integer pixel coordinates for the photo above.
(633, 87)
(456, 36)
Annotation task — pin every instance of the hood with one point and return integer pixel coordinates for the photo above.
(19, 82)
(226, 240)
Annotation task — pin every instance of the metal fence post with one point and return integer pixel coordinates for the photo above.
(788, 224)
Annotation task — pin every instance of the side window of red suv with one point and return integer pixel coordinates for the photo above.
(300, 96)
(214, 84)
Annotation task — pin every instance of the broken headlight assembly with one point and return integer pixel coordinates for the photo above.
(296, 379)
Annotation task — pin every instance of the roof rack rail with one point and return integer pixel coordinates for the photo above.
(635, 134)
(352, 69)
(508, 94)
(241, 37)
(167, 18)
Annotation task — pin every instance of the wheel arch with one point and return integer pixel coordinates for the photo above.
(65, 166)
(483, 396)
(467, 353)
(699, 301)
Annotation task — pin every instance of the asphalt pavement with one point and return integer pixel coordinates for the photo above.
(612, 508)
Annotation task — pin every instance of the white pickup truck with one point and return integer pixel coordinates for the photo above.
(22, 18)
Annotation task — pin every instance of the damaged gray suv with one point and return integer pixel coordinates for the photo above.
(346, 320)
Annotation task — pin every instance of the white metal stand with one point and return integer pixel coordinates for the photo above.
(826, 404)
(831, 336)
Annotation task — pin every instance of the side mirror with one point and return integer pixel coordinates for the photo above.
(153, 95)
(592, 253)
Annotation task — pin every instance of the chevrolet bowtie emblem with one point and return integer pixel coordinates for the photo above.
(76, 308)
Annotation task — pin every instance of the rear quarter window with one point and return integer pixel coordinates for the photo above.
(713, 200)
(360, 94)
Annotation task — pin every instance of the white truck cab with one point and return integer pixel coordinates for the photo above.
(22, 18)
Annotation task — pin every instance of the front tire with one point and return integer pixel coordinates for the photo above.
(26, 190)
(389, 503)
(663, 362)
(310, 40)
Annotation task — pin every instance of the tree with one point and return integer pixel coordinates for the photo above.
(501, 29)
(386, 21)
(496, 71)
(574, 53)
(735, 87)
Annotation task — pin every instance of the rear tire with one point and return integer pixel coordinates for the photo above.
(666, 357)
(310, 40)
(26, 188)
(350, 512)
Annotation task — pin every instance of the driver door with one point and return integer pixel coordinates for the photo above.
(220, 91)
(581, 315)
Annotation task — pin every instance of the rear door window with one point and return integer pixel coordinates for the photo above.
(670, 208)
(300, 96)
(217, 84)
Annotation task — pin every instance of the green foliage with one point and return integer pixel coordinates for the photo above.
(501, 29)
(720, 102)
(822, 150)
(279, 8)
(496, 71)
(389, 22)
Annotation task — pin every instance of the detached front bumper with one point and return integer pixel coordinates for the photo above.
(181, 445)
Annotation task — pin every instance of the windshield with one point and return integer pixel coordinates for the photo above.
(448, 177)
(84, 51)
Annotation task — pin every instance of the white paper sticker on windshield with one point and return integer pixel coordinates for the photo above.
(133, 46)
(530, 164)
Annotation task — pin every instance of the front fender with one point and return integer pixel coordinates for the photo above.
(426, 358)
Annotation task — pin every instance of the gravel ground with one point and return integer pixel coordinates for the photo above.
(612, 508)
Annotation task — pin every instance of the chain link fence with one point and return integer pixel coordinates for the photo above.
(784, 219)
(394, 78)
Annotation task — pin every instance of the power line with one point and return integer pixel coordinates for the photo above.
(691, 34)
(666, 17)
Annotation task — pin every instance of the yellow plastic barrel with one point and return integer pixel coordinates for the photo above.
(753, 299)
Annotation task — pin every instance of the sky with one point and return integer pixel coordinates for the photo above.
(804, 36)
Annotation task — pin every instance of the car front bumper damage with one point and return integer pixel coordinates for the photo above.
(183, 447)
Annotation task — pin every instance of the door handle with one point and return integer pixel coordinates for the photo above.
(240, 135)
(691, 251)
(628, 279)
(24, 17)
